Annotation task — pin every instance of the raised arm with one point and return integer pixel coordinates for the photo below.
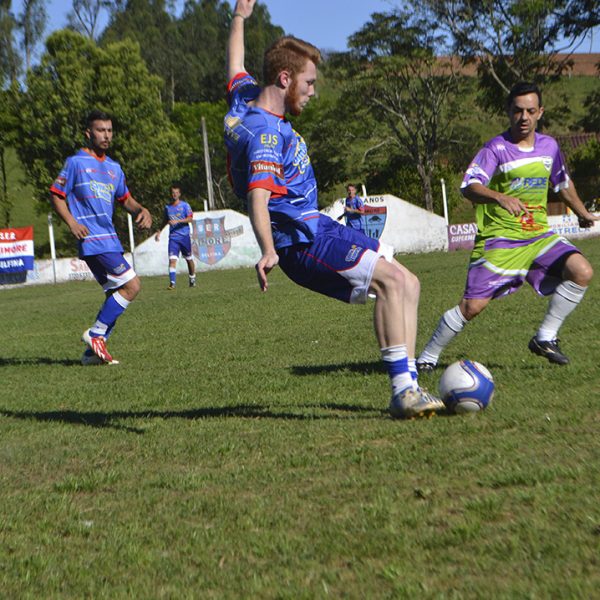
(235, 47)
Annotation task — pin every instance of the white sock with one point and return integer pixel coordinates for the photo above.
(565, 299)
(395, 359)
(449, 326)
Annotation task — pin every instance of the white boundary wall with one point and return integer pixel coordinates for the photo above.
(223, 239)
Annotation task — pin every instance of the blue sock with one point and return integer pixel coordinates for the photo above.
(172, 276)
(111, 310)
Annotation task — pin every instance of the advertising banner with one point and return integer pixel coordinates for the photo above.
(16, 254)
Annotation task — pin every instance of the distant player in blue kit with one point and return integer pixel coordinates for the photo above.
(271, 171)
(178, 215)
(84, 195)
(353, 208)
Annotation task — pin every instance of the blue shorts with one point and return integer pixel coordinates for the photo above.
(180, 244)
(111, 270)
(338, 263)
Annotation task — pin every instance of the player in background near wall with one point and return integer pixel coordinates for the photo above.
(178, 215)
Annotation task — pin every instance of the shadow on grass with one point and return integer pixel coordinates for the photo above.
(366, 368)
(110, 419)
(39, 360)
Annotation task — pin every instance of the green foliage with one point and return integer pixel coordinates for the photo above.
(10, 61)
(395, 82)
(515, 40)
(188, 52)
(187, 118)
(251, 456)
(585, 170)
(75, 76)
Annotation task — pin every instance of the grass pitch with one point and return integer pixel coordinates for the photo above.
(242, 449)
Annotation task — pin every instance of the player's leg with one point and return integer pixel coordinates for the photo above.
(174, 250)
(576, 273)
(172, 272)
(449, 326)
(396, 305)
(186, 250)
(345, 264)
(122, 285)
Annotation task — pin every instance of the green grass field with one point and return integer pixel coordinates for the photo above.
(242, 450)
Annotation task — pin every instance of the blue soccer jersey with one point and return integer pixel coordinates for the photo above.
(354, 220)
(265, 152)
(176, 212)
(90, 186)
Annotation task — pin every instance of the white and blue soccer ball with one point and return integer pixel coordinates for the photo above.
(466, 386)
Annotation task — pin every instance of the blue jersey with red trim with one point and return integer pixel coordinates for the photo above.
(265, 152)
(90, 186)
(176, 212)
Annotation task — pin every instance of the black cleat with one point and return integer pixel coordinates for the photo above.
(426, 367)
(549, 350)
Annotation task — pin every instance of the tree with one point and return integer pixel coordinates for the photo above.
(188, 52)
(32, 23)
(8, 129)
(9, 58)
(400, 89)
(515, 40)
(75, 76)
(84, 16)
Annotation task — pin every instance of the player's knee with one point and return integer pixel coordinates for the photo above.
(470, 309)
(583, 275)
(131, 289)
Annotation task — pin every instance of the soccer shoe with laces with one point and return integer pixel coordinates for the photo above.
(549, 350)
(98, 346)
(410, 403)
(192, 282)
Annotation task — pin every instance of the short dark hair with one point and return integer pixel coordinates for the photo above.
(521, 89)
(175, 185)
(96, 115)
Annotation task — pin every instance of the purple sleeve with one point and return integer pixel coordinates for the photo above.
(481, 169)
(559, 177)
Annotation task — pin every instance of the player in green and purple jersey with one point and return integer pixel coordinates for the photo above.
(508, 182)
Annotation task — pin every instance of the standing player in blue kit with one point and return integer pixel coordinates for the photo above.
(271, 171)
(84, 195)
(178, 214)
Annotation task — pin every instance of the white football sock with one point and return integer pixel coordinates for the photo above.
(449, 326)
(565, 299)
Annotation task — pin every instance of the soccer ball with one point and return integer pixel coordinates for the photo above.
(466, 386)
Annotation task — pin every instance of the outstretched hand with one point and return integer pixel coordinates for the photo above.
(244, 7)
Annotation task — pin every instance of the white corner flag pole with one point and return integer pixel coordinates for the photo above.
(131, 242)
(52, 245)
(445, 201)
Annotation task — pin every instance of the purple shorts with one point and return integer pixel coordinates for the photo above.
(111, 270)
(339, 262)
(180, 244)
(500, 266)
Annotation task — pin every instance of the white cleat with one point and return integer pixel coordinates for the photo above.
(410, 404)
